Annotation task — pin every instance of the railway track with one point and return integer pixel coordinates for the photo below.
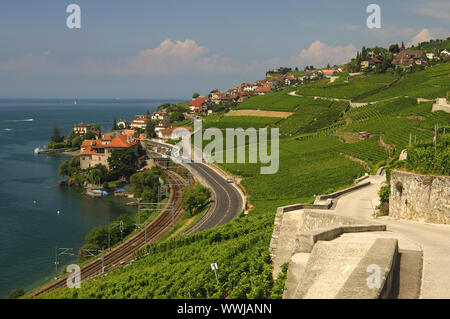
(155, 229)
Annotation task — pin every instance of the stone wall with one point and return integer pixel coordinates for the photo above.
(420, 197)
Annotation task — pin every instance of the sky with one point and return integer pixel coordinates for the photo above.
(170, 49)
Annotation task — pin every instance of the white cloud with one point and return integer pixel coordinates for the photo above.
(29, 64)
(426, 35)
(320, 54)
(350, 27)
(434, 9)
(168, 59)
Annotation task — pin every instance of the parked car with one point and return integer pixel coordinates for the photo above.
(229, 180)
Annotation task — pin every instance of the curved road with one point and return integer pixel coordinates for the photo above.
(228, 201)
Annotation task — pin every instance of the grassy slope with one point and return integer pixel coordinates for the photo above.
(181, 266)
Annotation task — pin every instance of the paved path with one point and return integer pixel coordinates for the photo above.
(434, 239)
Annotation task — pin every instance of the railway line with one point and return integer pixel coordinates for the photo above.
(155, 229)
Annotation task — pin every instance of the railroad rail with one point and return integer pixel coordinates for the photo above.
(155, 230)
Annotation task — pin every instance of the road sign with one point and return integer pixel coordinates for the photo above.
(214, 266)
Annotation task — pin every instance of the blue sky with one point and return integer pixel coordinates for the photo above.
(168, 49)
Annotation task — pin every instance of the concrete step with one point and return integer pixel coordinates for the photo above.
(340, 269)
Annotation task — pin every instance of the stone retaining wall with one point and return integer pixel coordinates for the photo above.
(420, 197)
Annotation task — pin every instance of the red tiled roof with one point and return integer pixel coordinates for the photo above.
(197, 102)
(262, 89)
(121, 142)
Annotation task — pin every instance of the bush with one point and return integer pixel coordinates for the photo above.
(16, 293)
(56, 145)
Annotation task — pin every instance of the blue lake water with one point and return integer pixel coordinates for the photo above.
(30, 227)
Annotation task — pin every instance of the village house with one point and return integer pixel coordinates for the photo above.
(215, 96)
(140, 121)
(370, 62)
(162, 125)
(166, 134)
(445, 52)
(261, 90)
(82, 129)
(410, 57)
(98, 151)
(160, 116)
(199, 105)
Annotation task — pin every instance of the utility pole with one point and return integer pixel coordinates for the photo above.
(94, 253)
(64, 251)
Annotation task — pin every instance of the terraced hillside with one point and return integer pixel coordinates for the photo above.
(325, 153)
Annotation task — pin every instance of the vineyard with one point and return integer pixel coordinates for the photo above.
(311, 116)
(315, 151)
(431, 83)
(353, 88)
(276, 101)
(244, 122)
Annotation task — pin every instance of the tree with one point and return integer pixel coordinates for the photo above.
(56, 134)
(69, 167)
(114, 127)
(123, 162)
(195, 198)
(98, 174)
(403, 45)
(393, 48)
(195, 95)
(70, 138)
(89, 135)
(150, 128)
(16, 293)
(76, 141)
(176, 117)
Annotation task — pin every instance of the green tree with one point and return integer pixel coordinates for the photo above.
(123, 163)
(195, 198)
(69, 139)
(69, 167)
(76, 141)
(16, 293)
(195, 95)
(98, 174)
(150, 128)
(56, 134)
(114, 127)
(89, 135)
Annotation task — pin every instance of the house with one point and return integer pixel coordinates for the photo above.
(160, 116)
(122, 124)
(410, 57)
(162, 125)
(371, 62)
(82, 129)
(329, 72)
(166, 134)
(98, 151)
(139, 122)
(248, 87)
(215, 96)
(229, 98)
(431, 55)
(445, 52)
(130, 132)
(198, 105)
(261, 90)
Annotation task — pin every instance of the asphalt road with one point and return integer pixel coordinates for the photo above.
(228, 202)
